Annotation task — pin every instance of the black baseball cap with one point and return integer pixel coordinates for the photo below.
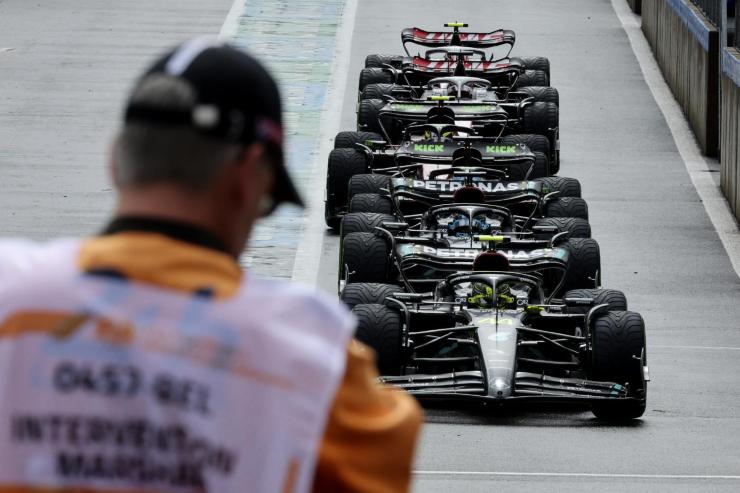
(236, 100)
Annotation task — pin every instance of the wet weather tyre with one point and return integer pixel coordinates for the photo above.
(371, 202)
(543, 94)
(584, 264)
(567, 207)
(343, 164)
(378, 60)
(539, 169)
(574, 226)
(536, 63)
(540, 118)
(375, 75)
(365, 258)
(368, 183)
(368, 113)
(618, 353)
(532, 78)
(377, 91)
(566, 187)
(363, 222)
(535, 142)
(616, 300)
(381, 328)
(361, 293)
(347, 140)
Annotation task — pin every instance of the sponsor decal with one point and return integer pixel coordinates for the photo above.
(471, 253)
(429, 147)
(451, 186)
(501, 149)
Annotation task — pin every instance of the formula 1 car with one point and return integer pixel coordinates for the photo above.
(454, 238)
(470, 107)
(496, 337)
(433, 162)
(456, 53)
(490, 40)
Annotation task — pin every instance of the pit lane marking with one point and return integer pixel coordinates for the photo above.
(583, 475)
(714, 348)
(307, 257)
(697, 166)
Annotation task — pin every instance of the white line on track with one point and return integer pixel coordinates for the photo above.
(578, 475)
(711, 348)
(308, 253)
(232, 18)
(696, 165)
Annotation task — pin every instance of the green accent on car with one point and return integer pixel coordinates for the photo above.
(455, 24)
(440, 98)
(501, 149)
(420, 108)
(491, 238)
(429, 147)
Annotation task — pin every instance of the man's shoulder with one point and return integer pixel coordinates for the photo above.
(296, 301)
(21, 257)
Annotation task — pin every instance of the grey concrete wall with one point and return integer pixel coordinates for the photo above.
(730, 128)
(686, 47)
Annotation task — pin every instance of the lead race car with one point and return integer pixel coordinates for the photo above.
(496, 67)
(496, 337)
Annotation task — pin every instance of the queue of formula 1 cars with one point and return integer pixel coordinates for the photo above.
(466, 259)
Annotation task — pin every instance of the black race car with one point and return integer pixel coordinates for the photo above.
(497, 337)
(430, 166)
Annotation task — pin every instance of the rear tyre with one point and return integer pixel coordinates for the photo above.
(567, 207)
(371, 202)
(368, 114)
(349, 139)
(364, 258)
(535, 142)
(566, 187)
(616, 300)
(536, 63)
(618, 353)
(532, 78)
(540, 118)
(542, 94)
(362, 293)
(377, 91)
(584, 264)
(363, 222)
(540, 168)
(574, 226)
(375, 75)
(381, 328)
(343, 164)
(368, 183)
(377, 60)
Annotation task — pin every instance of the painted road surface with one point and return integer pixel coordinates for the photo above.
(658, 245)
(66, 66)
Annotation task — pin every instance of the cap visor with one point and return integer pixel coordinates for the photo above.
(284, 190)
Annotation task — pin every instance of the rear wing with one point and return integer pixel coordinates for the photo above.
(417, 36)
(504, 66)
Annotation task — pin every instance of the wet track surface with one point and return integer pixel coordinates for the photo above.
(65, 66)
(657, 244)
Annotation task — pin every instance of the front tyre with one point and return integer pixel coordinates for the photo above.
(618, 355)
(381, 328)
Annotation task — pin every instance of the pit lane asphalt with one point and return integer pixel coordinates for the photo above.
(657, 245)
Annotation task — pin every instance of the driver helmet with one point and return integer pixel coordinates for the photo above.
(482, 296)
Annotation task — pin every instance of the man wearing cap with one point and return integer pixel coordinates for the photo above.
(143, 359)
